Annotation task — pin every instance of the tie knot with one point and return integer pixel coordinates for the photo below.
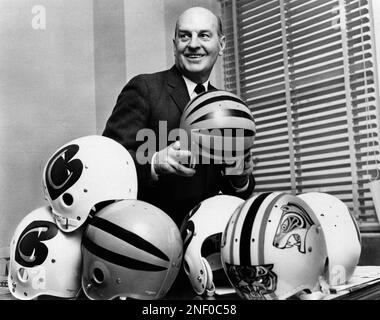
(199, 88)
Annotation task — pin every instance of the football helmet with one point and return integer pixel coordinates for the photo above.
(343, 240)
(273, 247)
(219, 127)
(201, 233)
(44, 261)
(84, 173)
(131, 249)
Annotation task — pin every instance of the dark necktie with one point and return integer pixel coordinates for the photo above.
(199, 88)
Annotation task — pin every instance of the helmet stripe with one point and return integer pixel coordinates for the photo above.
(130, 237)
(213, 151)
(263, 227)
(246, 231)
(225, 132)
(192, 101)
(212, 100)
(224, 113)
(232, 237)
(119, 259)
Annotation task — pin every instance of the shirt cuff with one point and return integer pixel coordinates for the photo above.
(241, 189)
(153, 173)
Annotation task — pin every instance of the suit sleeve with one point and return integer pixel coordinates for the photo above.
(227, 188)
(130, 115)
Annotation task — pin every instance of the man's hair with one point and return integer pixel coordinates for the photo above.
(220, 27)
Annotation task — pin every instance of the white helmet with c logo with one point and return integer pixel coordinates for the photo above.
(84, 173)
(43, 259)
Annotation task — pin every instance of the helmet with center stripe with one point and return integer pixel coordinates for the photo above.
(273, 247)
(131, 249)
(219, 128)
(85, 173)
(44, 261)
(342, 234)
(201, 232)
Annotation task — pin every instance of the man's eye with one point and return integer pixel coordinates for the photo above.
(205, 36)
(184, 36)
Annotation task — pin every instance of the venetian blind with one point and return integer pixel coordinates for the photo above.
(307, 70)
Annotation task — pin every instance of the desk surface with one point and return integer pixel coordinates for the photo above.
(364, 285)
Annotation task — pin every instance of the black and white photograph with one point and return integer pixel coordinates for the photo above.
(185, 157)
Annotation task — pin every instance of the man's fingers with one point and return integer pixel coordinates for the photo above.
(184, 171)
(181, 169)
(176, 145)
(181, 156)
(167, 169)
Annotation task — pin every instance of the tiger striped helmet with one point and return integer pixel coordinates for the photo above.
(219, 127)
(273, 247)
(343, 240)
(130, 249)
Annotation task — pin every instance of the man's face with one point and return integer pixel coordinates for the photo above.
(197, 44)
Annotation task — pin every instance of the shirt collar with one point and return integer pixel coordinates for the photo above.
(190, 85)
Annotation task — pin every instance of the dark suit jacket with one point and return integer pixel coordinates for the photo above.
(143, 102)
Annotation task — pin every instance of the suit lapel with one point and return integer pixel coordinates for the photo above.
(211, 87)
(177, 89)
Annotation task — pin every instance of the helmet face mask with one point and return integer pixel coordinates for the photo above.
(253, 282)
(201, 232)
(85, 172)
(273, 248)
(43, 259)
(130, 249)
(343, 240)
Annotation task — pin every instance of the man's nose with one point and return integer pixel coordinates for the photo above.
(194, 42)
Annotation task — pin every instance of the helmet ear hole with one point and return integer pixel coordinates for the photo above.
(68, 199)
(98, 276)
(23, 275)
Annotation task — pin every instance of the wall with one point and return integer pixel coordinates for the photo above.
(46, 96)
(370, 254)
(109, 56)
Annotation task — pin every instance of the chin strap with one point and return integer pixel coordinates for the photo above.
(325, 287)
(319, 294)
(66, 223)
(210, 287)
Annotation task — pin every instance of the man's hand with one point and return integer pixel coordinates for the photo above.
(168, 161)
(239, 181)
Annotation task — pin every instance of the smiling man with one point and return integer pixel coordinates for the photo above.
(155, 102)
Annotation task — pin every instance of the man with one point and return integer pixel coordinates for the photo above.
(149, 99)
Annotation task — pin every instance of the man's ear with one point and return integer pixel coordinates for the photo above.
(222, 43)
(174, 47)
